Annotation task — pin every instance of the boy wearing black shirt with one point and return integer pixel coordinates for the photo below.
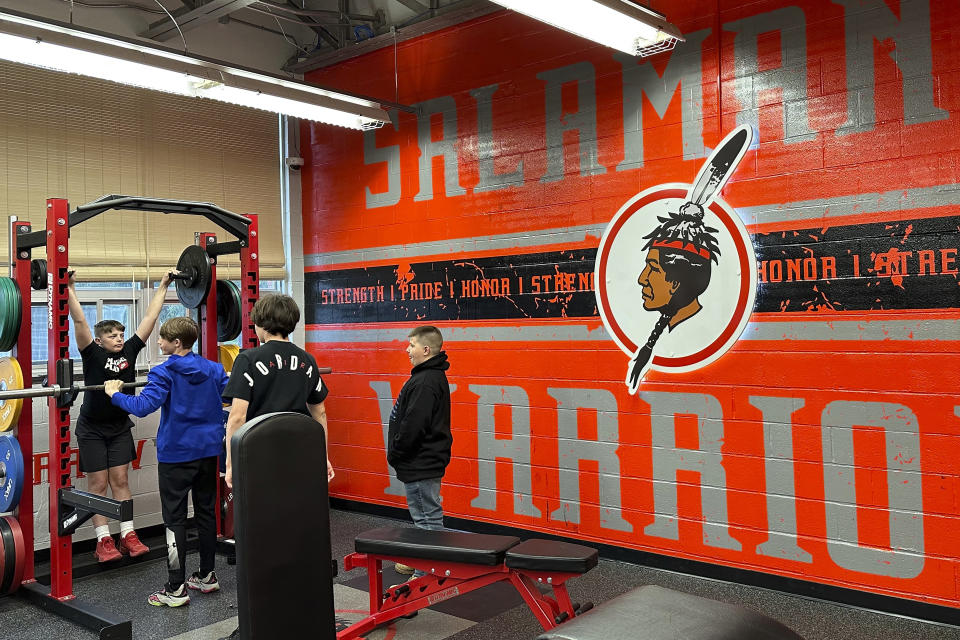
(276, 376)
(103, 430)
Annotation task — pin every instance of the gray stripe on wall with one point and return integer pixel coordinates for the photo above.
(457, 246)
(823, 208)
(895, 330)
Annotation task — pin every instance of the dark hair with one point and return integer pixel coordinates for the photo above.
(181, 328)
(691, 272)
(106, 326)
(429, 336)
(276, 313)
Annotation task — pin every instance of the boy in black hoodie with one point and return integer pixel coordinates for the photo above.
(419, 438)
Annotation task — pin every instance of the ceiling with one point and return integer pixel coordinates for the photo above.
(288, 36)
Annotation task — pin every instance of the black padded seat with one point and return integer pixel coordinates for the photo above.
(445, 546)
(550, 555)
(655, 613)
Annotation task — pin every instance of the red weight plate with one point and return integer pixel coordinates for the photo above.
(12, 555)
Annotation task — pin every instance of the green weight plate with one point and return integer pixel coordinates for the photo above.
(17, 314)
(6, 300)
(9, 312)
(13, 313)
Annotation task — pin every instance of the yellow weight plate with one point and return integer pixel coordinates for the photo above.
(11, 377)
(228, 353)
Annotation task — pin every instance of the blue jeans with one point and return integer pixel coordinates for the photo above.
(423, 500)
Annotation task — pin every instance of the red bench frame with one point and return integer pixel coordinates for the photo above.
(446, 580)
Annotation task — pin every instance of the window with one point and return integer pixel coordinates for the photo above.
(122, 301)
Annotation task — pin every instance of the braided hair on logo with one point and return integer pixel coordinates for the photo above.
(686, 248)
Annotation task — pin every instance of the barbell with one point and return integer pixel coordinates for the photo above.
(57, 390)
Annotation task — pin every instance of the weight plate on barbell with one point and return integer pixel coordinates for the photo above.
(194, 261)
(11, 377)
(11, 473)
(13, 555)
(228, 312)
(38, 274)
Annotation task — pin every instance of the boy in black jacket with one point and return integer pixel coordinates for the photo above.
(419, 439)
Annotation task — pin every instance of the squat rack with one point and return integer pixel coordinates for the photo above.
(59, 598)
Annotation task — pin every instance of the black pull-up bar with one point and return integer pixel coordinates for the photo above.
(234, 223)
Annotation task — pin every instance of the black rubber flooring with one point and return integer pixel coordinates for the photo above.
(494, 613)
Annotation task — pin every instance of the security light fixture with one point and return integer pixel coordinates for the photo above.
(621, 24)
(71, 49)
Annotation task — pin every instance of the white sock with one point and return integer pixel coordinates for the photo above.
(126, 527)
(102, 531)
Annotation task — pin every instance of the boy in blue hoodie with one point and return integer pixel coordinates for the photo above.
(187, 389)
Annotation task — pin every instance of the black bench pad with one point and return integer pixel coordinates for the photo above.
(445, 546)
(549, 555)
(655, 613)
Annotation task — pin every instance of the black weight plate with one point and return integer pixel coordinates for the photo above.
(235, 288)
(194, 261)
(228, 312)
(235, 291)
(38, 274)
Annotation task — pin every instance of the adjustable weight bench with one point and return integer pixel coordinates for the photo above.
(457, 563)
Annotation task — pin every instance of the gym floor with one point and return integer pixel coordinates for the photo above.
(482, 615)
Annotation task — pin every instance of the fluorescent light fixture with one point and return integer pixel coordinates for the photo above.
(620, 24)
(66, 48)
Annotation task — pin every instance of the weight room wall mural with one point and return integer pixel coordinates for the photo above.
(818, 442)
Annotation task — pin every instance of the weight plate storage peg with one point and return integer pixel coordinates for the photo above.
(11, 377)
(11, 473)
(38, 274)
(193, 281)
(13, 555)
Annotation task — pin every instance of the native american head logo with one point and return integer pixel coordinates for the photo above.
(676, 271)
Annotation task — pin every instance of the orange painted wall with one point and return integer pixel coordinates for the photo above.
(855, 368)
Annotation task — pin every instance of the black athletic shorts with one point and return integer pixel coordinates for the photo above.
(102, 448)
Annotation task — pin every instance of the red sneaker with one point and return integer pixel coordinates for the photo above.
(106, 550)
(131, 544)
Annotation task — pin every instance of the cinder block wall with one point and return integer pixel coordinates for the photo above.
(819, 441)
